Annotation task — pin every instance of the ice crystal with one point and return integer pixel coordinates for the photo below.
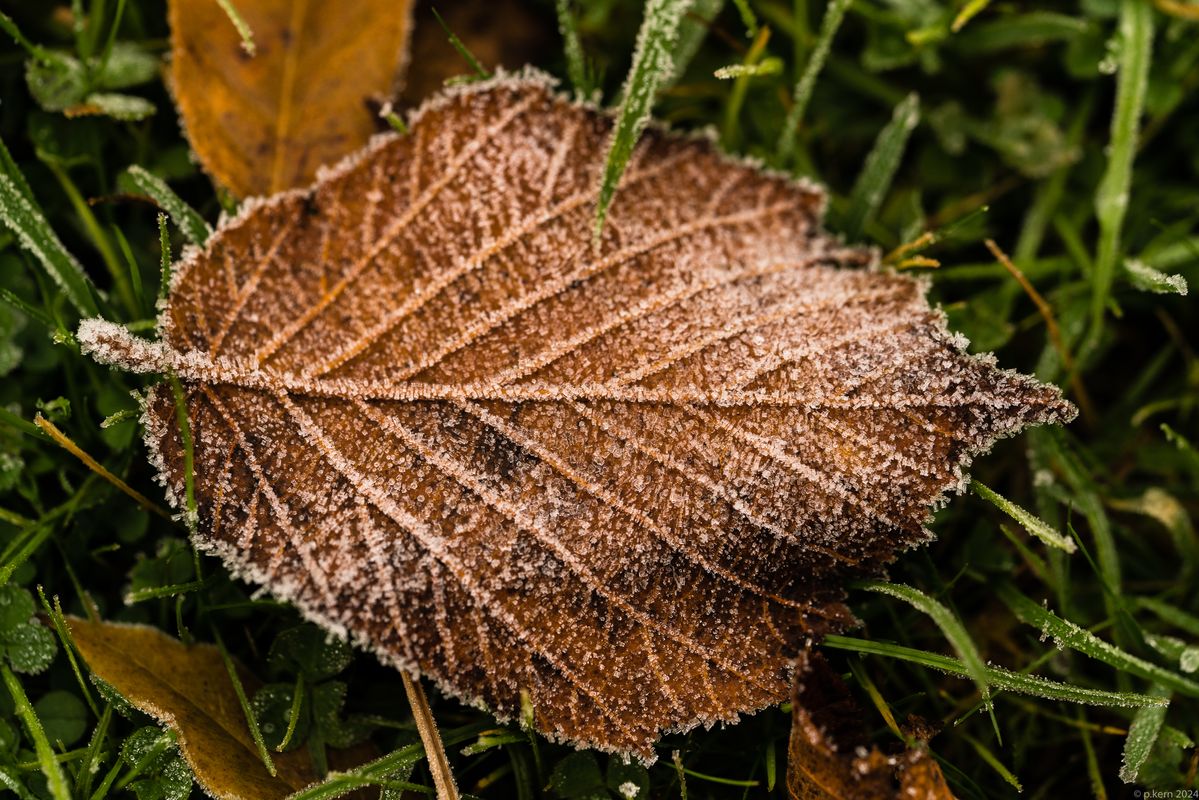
(627, 480)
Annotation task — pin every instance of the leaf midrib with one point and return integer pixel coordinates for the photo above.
(287, 87)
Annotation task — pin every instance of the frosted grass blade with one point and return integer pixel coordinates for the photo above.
(949, 624)
(998, 677)
(1142, 734)
(20, 214)
(879, 169)
(189, 221)
(1111, 200)
(1068, 634)
(652, 64)
(576, 65)
(692, 30)
(807, 81)
(1030, 522)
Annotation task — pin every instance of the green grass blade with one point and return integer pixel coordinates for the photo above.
(807, 81)
(239, 22)
(59, 622)
(95, 232)
(1093, 773)
(1175, 649)
(181, 419)
(652, 64)
(90, 764)
(576, 63)
(969, 11)
(949, 624)
(135, 274)
(293, 717)
(768, 66)
(462, 49)
(1030, 522)
(1067, 634)
(748, 18)
(693, 29)
(9, 167)
(876, 697)
(1146, 725)
(10, 779)
(189, 221)
(41, 54)
(21, 215)
(164, 256)
(251, 720)
(771, 766)
(1000, 678)
(374, 772)
(1087, 496)
(994, 763)
(1111, 199)
(1188, 450)
(877, 173)
(55, 779)
(31, 311)
(1032, 29)
(1173, 615)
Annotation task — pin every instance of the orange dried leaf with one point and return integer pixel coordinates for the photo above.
(266, 122)
(188, 689)
(626, 477)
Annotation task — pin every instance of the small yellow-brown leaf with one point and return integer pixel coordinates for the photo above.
(266, 122)
(189, 690)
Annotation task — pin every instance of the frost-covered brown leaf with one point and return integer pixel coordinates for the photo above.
(626, 478)
(266, 121)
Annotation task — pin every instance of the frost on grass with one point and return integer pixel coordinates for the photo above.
(1148, 279)
(653, 65)
(627, 480)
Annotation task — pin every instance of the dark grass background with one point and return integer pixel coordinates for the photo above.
(1012, 144)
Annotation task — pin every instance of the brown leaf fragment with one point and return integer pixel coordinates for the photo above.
(921, 778)
(188, 689)
(627, 478)
(828, 757)
(266, 122)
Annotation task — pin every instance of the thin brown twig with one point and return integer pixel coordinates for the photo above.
(1055, 333)
(95, 466)
(426, 726)
(918, 261)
